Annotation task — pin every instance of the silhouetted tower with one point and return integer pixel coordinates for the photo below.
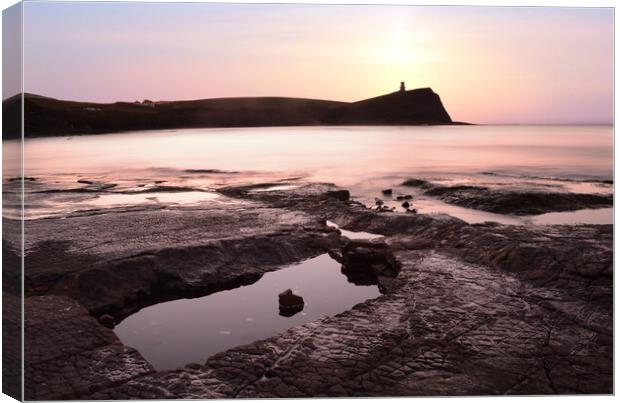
(402, 86)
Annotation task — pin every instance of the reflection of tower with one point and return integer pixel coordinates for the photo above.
(402, 86)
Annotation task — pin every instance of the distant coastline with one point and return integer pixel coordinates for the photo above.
(52, 117)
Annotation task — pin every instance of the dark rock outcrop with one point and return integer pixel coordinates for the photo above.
(371, 258)
(507, 201)
(418, 106)
(420, 183)
(342, 195)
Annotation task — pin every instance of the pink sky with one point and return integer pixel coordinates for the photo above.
(488, 64)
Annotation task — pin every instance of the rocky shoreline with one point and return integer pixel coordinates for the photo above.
(475, 309)
(508, 201)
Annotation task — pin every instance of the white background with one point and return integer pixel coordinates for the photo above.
(574, 3)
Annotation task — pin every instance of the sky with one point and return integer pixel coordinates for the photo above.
(11, 51)
(488, 64)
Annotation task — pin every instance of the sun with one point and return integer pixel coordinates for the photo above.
(401, 45)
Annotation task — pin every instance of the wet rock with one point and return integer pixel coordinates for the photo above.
(387, 192)
(289, 303)
(19, 178)
(421, 183)
(107, 321)
(368, 257)
(209, 171)
(518, 203)
(505, 201)
(166, 188)
(342, 195)
(94, 187)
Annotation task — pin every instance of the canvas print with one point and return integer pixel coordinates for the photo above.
(205, 200)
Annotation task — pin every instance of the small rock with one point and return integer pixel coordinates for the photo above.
(290, 303)
(378, 201)
(107, 321)
(387, 192)
(406, 205)
(405, 197)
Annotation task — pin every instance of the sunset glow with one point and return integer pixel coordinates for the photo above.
(489, 65)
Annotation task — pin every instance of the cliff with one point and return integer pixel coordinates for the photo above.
(48, 117)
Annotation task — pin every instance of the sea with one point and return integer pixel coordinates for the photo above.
(363, 159)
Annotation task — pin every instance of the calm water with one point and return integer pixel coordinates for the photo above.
(175, 333)
(339, 154)
(363, 159)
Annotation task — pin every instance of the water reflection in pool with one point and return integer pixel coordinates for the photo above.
(175, 333)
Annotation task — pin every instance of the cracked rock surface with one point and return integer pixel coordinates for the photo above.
(475, 309)
(68, 354)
